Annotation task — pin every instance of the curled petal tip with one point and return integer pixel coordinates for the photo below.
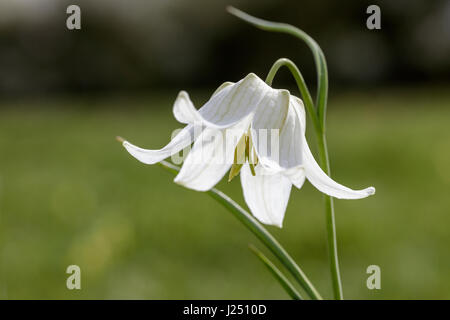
(370, 191)
(278, 225)
(120, 139)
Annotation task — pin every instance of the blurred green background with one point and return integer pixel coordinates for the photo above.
(70, 194)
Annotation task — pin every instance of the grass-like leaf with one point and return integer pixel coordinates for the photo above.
(285, 283)
(261, 233)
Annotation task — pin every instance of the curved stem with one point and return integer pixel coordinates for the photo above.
(319, 58)
(261, 233)
(301, 84)
(331, 223)
(285, 283)
(319, 113)
(324, 161)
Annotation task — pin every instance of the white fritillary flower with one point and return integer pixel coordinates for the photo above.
(256, 131)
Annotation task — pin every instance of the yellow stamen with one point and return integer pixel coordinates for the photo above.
(252, 169)
(239, 158)
(243, 153)
(234, 171)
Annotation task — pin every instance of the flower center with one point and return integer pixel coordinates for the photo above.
(244, 152)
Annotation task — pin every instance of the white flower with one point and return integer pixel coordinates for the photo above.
(250, 109)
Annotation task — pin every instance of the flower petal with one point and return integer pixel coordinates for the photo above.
(234, 102)
(290, 145)
(296, 175)
(185, 112)
(222, 86)
(211, 157)
(297, 104)
(324, 183)
(179, 142)
(267, 124)
(183, 109)
(266, 194)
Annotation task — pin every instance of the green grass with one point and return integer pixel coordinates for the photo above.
(69, 194)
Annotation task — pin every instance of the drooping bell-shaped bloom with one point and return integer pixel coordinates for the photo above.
(256, 131)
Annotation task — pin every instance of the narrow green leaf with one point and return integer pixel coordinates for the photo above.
(285, 283)
(261, 233)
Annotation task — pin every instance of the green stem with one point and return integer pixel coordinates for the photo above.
(318, 117)
(324, 162)
(309, 104)
(261, 233)
(319, 58)
(331, 223)
(285, 283)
